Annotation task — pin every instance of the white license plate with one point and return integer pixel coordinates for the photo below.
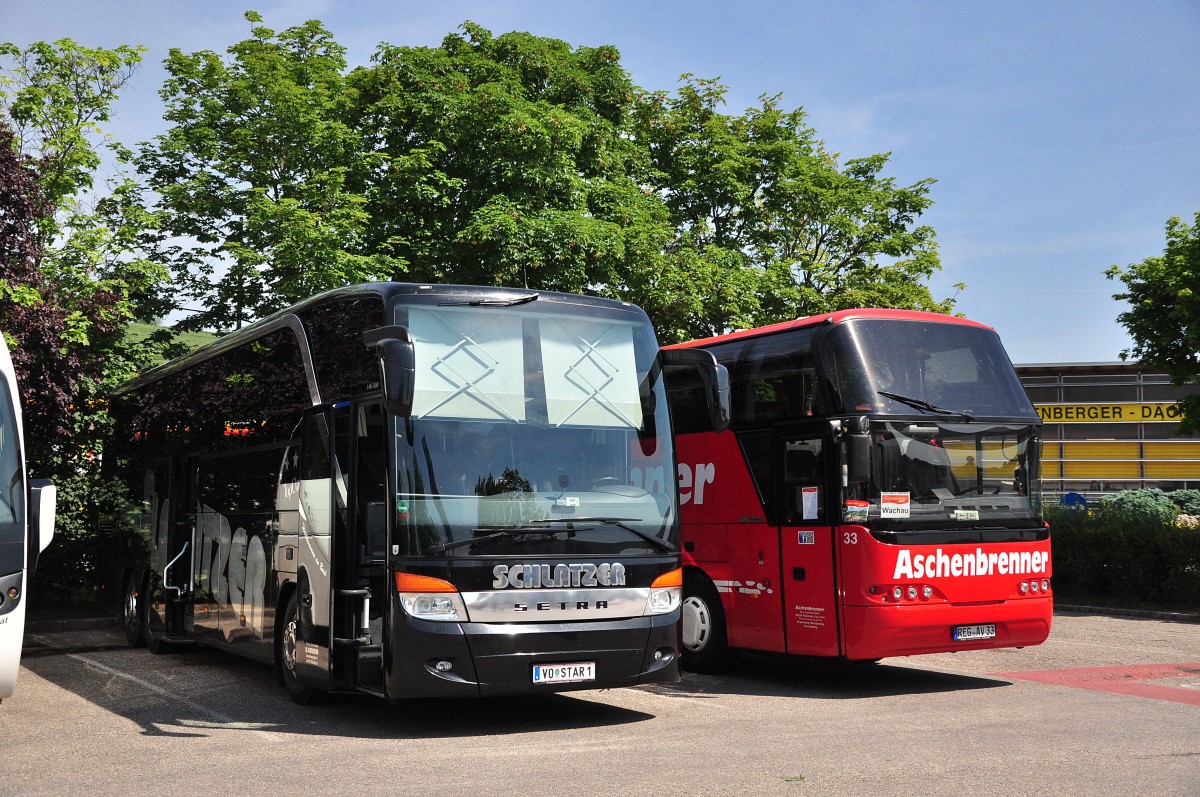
(564, 673)
(966, 633)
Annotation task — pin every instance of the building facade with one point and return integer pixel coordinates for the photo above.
(1110, 427)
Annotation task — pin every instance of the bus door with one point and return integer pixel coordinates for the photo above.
(170, 491)
(319, 488)
(751, 578)
(360, 556)
(213, 537)
(806, 503)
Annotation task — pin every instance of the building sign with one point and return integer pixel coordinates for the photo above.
(1121, 412)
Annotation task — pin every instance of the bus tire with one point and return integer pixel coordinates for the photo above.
(154, 642)
(704, 642)
(297, 690)
(131, 614)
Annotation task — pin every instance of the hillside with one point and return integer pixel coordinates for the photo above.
(193, 340)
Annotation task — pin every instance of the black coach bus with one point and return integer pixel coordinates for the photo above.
(410, 491)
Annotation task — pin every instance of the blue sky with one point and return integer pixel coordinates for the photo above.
(1062, 135)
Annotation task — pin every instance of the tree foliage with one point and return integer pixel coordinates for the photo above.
(771, 223)
(58, 97)
(514, 160)
(503, 160)
(33, 330)
(253, 176)
(1163, 318)
(63, 293)
(71, 276)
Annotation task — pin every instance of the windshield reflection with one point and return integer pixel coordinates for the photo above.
(935, 368)
(959, 475)
(530, 415)
(463, 480)
(12, 498)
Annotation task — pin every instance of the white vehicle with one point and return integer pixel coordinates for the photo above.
(26, 526)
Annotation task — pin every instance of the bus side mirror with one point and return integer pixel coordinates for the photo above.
(715, 378)
(42, 495)
(858, 450)
(397, 367)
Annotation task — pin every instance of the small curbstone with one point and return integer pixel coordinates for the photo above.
(1145, 614)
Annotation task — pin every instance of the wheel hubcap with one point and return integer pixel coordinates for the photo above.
(289, 647)
(130, 608)
(697, 624)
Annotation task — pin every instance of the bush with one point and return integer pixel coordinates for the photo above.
(1134, 547)
(1138, 506)
(1188, 501)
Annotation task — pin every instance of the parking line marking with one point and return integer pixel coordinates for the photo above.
(216, 718)
(1136, 680)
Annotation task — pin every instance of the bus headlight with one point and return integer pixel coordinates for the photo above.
(666, 593)
(428, 598)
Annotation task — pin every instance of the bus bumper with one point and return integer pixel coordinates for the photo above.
(876, 632)
(431, 659)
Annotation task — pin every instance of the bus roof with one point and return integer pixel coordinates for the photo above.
(836, 317)
(385, 291)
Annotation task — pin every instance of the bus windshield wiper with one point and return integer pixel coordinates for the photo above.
(492, 302)
(922, 404)
(515, 531)
(619, 522)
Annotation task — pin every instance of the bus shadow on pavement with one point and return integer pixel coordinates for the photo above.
(778, 676)
(201, 692)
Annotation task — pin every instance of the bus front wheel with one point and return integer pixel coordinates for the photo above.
(155, 641)
(705, 643)
(286, 656)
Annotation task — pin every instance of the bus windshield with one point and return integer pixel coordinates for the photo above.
(938, 475)
(932, 368)
(533, 432)
(12, 486)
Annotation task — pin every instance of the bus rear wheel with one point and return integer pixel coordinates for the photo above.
(705, 643)
(131, 614)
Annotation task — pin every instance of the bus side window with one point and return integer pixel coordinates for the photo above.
(808, 387)
(804, 480)
(371, 480)
(757, 447)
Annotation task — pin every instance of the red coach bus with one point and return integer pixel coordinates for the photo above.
(876, 494)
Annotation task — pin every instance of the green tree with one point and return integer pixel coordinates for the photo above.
(515, 160)
(255, 208)
(769, 221)
(1164, 312)
(504, 160)
(71, 275)
(57, 98)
